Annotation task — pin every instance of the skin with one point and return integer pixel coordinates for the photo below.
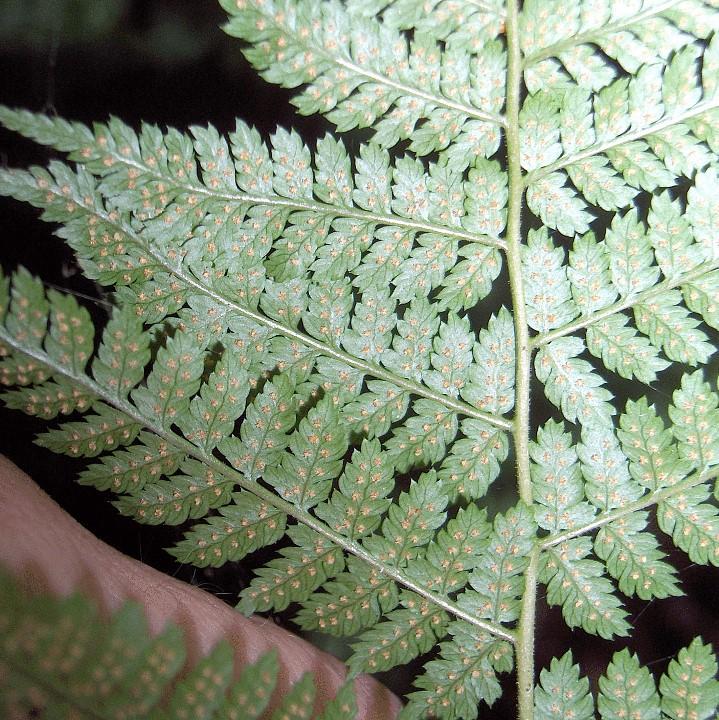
(55, 554)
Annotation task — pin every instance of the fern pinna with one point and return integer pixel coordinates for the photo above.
(292, 351)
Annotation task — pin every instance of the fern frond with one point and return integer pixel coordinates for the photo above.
(358, 70)
(627, 688)
(310, 346)
(563, 691)
(576, 582)
(687, 689)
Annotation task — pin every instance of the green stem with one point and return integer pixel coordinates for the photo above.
(524, 647)
(514, 259)
(525, 631)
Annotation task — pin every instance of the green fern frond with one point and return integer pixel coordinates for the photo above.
(311, 346)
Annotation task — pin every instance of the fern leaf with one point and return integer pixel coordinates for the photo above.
(626, 689)
(373, 412)
(672, 238)
(174, 379)
(424, 438)
(101, 432)
(549, 298)
(412, 345)
(491, 376)
(695, 417)
(689, 686)
(343, 706)
(474, 460)
(700, 297)
(130, 470)
(571, 383)
(623, 350)
(304, 475)
(354, 600)
(456, 550)
(178, 498)
(563, 692)
(312, 338)
(692, 523)
(670, 326)
(558, 205)
(577, 583)
(452, 356)
(411, 521)
(123, 354)
(701, 210)
(634, 559)
(604, 466)
(588, 273)
(300, 570)
(557, 481)
(374, 72)
(252, 692)
(299, 701)
(194, 694)
(630, 255)
(49, 399)
(372, 326)
(62, 658)
(264, 432)
(402, 636)
(465, 674)
(497, 584)
(241, 527)
(356, 507)
(654, 460)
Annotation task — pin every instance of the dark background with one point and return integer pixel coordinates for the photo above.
(167, 62)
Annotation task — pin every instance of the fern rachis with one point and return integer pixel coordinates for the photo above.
(300, 338)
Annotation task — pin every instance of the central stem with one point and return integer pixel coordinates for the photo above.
(525, 634)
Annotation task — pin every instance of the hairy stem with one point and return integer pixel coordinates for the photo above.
(524, 647)
(525, 634)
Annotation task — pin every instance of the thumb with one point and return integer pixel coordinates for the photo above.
(47, 551)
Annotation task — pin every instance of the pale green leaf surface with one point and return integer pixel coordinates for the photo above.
(302, 331)
(690, 687)
(563, 692)
(557, 481)
(627, 690)
(577, 583)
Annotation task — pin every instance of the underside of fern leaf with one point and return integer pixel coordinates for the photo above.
(294, 350)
